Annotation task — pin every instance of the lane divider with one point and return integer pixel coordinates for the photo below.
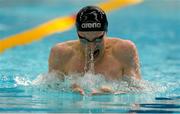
(60, 24)
(116, 4)
(37, 33)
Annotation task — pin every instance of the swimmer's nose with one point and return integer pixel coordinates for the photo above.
(91, 45)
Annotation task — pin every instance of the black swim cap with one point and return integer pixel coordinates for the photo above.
(91, 18)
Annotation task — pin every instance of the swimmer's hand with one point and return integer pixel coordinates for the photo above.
(106, 90)
(103, 90)
(76, 88)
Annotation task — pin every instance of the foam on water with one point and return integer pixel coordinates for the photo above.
(22, 81)
(89, 82)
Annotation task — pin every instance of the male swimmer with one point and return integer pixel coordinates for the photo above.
(114, 58)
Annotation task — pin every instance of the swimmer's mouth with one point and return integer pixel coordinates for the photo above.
(95, 53)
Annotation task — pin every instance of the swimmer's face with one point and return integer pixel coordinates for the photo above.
(92, 40)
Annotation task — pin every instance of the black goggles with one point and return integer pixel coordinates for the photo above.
(96, 40)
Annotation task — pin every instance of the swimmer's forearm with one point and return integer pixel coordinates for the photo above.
(103, 90)
(106, 90)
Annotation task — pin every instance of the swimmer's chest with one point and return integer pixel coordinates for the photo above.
(108, 66)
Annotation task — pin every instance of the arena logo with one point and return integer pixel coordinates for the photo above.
(91, 25)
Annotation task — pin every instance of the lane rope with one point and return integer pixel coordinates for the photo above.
(60, 24)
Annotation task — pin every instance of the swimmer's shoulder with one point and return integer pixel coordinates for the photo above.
(121, 43)
(67, 44)
(122, 47)
(64, 48)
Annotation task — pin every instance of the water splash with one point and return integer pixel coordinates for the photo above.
(89, 63)
(89, 82)
(91, 69)
(22, 81)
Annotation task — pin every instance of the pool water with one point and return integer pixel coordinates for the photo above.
(25, 85)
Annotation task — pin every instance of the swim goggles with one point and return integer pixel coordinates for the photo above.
(96, 40)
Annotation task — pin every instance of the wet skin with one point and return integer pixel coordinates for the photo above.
(112, 57)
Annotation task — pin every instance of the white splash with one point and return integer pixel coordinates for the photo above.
(91, 69)
(89, 82)
(22, 81)
(89, 63)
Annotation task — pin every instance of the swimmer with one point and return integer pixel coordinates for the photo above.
(114, 58)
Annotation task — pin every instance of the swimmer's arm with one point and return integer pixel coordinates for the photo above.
(55, 61)
(102, 90)
(132, 66)
(106, 90)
